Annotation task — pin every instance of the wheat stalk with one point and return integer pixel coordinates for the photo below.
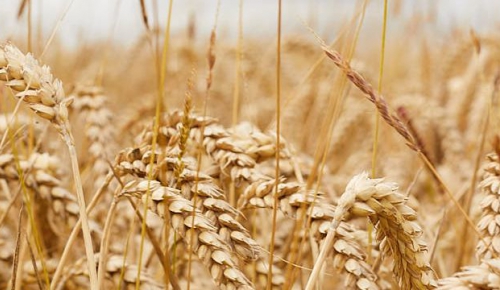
(45, 96)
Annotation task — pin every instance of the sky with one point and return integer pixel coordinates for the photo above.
(92, 20)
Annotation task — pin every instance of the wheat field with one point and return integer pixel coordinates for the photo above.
(296, 161)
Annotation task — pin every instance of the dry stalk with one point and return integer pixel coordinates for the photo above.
(345, 203)
(45, 96)
(15, 260)
(29, 277)
(103, 251)
(74, 233)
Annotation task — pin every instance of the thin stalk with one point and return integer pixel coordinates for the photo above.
(453, 199)
(278, 133)
(164, 258)
(27, 171)
(159, 106)
(9, 206)
(13, 116)
(53, 34)
(30, 211)
(209, 79)
(125, 253)
(30, 32)
(477, 164)
(236, 93)
(325, 250)
(376, 133)
(103, 252)
(87, 238)
(74, 233)
(340, 34)
(164, 56)
(33, 261)
(253, 222)
(322, 150)
(379, 89)
(21, 252)
(15, 260)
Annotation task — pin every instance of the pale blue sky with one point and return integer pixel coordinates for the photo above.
(92, 19)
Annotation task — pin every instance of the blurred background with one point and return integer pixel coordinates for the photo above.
(93, 20)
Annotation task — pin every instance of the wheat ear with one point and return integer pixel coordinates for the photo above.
(397, 231)
(42, 176)
(210, 246)
(181, 174)
(486, 276)
(91, 103)
(197, 194)
(348, 255)
(45, 96)
(119, 275)
(490, 186)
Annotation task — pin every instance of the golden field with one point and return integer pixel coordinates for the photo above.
(193, 161)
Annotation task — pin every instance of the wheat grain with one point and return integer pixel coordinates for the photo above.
(484, 276)
(210, 247)
(397, 231)
(489, 247)
(45, 96)
(177, 175)
(35, 85)
(239, 150)
(43, 176)
(348, 255)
